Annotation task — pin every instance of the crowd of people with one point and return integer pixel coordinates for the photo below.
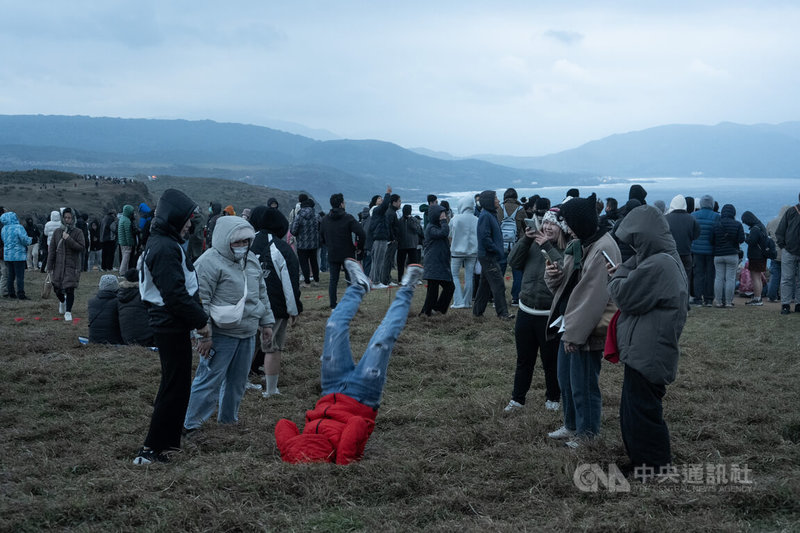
(589, 279)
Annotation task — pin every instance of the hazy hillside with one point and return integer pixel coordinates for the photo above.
(242, 152)
(724, 150)
(37, 192)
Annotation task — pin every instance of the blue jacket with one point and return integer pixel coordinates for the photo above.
(707, 218)
(490, 236)
(15, 238)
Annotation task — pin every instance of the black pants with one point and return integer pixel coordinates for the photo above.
(108, 249)
(529, 336)
(66, 296)
(704, 273)
(334, 281)
(306, 257)
(641, 420)
(405, 256)
(435, 301)
(16, 272)
(169, 409)
(491, 284)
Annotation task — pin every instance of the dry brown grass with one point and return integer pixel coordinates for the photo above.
(443, 457)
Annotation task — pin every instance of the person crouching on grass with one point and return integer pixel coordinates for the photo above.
(652, 292)
(338, 428)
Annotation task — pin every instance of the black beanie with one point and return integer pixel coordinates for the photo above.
(637, 192)
(269, 220)
(581, 216)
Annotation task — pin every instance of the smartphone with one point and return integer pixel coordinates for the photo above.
(610, 262)
(532, 223)
(546, 257)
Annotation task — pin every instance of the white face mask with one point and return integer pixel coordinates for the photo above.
(239, 252)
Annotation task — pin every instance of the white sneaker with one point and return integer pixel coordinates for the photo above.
(572, 444)
(357, 275)
(380, 286)
(392, 284)
(561, 433)
(552, 406)
(67, 317)
(266, 394)
(62, 308)
(252, 386)
(412, 275)
(513, 406)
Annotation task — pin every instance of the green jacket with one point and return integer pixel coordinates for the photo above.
(527, 256)
(125, 227)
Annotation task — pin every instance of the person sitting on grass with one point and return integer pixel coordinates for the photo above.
(134, 330)
(103, 315)
(338, 428)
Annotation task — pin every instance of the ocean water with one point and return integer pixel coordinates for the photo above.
(764, 197)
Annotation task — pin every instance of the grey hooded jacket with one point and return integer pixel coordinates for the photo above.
(651, 291)
(222, 279)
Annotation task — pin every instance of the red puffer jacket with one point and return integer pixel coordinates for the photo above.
(336, 431)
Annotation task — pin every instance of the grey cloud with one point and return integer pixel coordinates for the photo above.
(564, 36)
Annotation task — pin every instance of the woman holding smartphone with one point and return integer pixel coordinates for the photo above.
(531, 254)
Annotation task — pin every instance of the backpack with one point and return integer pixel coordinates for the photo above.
(768, 248)
(509, 226)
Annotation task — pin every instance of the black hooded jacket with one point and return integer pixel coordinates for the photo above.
(757, 238)
(167, 274)
(728, 233)
(336, 232)
(271, 226)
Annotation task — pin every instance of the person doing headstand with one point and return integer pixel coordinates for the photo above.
(338, 427)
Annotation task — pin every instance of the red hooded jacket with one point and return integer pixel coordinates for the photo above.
(336, 431)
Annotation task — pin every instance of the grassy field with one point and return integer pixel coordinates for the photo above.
(443, 457)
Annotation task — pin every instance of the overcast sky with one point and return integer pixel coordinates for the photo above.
(466, 77)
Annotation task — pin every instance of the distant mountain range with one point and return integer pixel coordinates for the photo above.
(361, 168)
(253, 154)
(725, 150)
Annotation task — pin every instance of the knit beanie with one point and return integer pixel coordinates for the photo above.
(580, 215)
(637, 192)
(554, 216)
(108, 283)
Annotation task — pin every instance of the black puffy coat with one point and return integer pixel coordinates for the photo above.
(337, 230)
(727, 233)
(132, 325)
(104, 319)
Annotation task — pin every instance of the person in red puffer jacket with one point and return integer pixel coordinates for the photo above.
(338, 428)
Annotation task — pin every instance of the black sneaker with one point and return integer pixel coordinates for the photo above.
(148, 457)
(785, 310)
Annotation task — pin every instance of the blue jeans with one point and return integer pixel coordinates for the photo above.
(363, 382)
(462, 297)
(774, 279)
(725, 277)
(219, 382)
(578, 377)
